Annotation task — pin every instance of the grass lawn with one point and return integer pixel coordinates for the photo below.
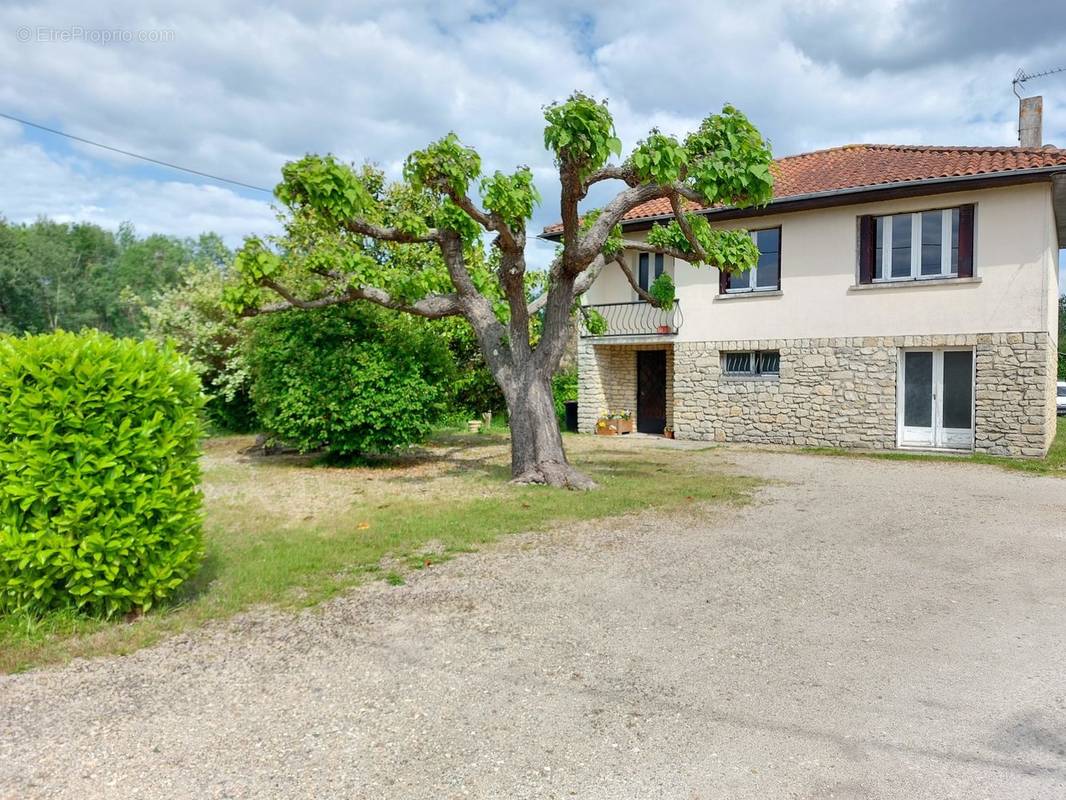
(290, 532)
(1054, 463)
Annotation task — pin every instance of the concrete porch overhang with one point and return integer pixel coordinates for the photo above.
(648, 338)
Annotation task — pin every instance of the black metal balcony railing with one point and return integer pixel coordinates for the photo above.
(630, 319)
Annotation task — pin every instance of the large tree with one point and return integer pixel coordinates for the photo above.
(416, 245)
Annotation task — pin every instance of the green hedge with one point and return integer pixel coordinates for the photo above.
(99, 445)
(356, 379)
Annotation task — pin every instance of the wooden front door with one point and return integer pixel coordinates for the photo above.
(651, 391)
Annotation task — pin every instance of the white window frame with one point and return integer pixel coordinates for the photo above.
(936, 436)
(753, 360)
(752, 273)
(916, 247)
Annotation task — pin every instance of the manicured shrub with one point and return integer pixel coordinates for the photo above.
(99, 502)
(355, 379)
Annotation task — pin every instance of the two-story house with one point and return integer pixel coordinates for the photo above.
(905, 297)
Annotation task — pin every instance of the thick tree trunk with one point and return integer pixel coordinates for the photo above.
(537, 454)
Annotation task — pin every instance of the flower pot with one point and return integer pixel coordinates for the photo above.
(669, 434)
(606, 426)
(664, 329)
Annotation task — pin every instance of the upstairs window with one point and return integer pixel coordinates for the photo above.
(752, 362)
(766, 276)
(645, 276)
(916, 246)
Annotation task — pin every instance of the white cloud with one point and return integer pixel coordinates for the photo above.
(73, 189)
(243, 87)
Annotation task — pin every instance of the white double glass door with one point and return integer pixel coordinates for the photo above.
(936, 399)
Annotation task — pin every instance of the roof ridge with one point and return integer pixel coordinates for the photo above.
(942, 148)
(868, 167)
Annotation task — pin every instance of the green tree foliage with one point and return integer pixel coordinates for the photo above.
(355, 380)
(471, 390)
(71, 276)
(99, 447)
(190, 314)
(663, 290)
(564, 389)
(581, 133)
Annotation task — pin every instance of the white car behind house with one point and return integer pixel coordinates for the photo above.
(1060, 398)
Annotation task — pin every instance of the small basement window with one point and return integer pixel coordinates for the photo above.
(752, 362)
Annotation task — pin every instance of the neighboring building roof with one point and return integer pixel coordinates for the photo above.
(859, 167)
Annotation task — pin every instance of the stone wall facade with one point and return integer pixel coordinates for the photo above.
(837, 392)
(830, 392)
(1015, 393)
(607, 379)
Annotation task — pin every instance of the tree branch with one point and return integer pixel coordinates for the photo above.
(465, 203)
(592, 242)
(384, 234)
(641, 293)
(644, 247)
(433, 306)
(588, 277)
(686, 228)
(582, 284)
(570, 195)
(611, 172)
(511, 274)
(488, 221)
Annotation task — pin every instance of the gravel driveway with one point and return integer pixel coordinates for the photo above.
(865, 629)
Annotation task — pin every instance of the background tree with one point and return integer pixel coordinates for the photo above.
(1062, 338)
(72, 276)
(416, 246)
(190, 314)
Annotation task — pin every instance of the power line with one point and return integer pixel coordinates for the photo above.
(150, 160)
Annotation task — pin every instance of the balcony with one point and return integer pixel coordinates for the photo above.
(629, 319)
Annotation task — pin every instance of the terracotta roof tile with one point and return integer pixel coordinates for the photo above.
(856, 166)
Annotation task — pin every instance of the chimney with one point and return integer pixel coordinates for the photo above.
(1030, 121)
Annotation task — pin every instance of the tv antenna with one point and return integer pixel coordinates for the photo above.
(1021, 76)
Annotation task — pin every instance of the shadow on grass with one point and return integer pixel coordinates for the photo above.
(442, 447)
(199, 584)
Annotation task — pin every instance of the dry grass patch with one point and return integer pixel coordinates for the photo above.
(290, 531)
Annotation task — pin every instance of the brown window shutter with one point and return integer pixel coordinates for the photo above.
(867, 235)
(723, 281)
(966, 241)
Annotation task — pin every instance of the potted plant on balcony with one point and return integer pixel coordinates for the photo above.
(595, 322)
(662, 290)
(614, 423)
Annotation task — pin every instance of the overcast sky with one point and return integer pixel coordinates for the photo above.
(239, 91)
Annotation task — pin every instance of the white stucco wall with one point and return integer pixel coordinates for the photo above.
(1015, 258)
(1053, 289)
